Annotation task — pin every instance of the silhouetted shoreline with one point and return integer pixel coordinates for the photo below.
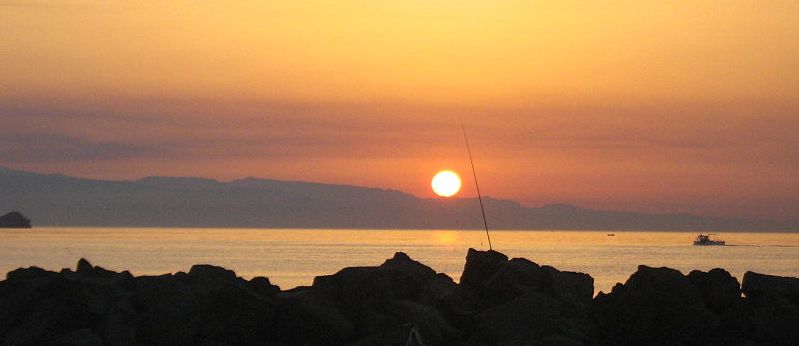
(57, 200)
(499, 301)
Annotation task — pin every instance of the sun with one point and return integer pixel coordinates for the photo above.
(446, 183)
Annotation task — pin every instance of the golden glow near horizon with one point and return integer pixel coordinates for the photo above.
(446, 183)
(658, 106)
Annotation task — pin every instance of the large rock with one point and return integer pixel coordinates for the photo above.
(310, 317)
(526, 319)
(499, 279)
(208, 303)
(380, 301)
(234, 315)
(512, 279)
(14, 219)
(481, 266)
(262, 286)
(399, 278)
(432, 286)
(570, 287)
(84, 267)
(211, 274)
(755, 285)
(173, 320)
(371, 286)
(119, 283)
(655, 305)
(771, 308)
(719, 290)
(38, 309)
(424, 322)
(403, 263)
(508, 301)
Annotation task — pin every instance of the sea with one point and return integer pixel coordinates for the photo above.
(293, 257)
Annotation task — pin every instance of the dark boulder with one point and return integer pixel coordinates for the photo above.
(500, 280)
(26, 275)
(655, 305)
(435, 290)
(151, 290)
(532, 319)
(174, 320)
(479, 289)
(212, 274)
(571, 287)
(310, 317)
(771, 308)
(719, 290)
(420, 322)
(14, 219)
(234, 315)
(313, 317)
(380, 301)
(481, 266)
(432, 286)
(399, 278)
(755, 285)
(505, 301)
(86, 272)
(430, 324)
(461, 306)
(44, 309)
(207, 304)
(528, 318)
(84, 267)
(58, 303)
(416, 270)
(769, 320)
(260, 285)
(512, 279)
(370, 286)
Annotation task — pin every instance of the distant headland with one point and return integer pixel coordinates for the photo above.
(57, 200)
(499, 301)
(14, 219)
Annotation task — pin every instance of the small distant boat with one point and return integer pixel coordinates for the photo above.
(611, 234)
(704, 239)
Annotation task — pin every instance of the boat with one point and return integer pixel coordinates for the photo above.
(611, 235)
(704, 239)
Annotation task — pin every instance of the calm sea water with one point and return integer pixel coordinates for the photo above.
(294, 257)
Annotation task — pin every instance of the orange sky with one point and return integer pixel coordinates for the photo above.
(676, 106)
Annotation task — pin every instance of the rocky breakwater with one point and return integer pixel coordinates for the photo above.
(499, 301)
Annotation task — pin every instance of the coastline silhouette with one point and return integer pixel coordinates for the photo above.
(57, 200)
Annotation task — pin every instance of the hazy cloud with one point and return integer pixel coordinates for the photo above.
(28, 148)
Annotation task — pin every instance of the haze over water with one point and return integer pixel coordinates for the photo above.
(291, 258)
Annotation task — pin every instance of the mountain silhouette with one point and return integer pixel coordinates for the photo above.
(58, 200)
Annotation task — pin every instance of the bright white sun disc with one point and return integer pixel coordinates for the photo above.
(446, 183)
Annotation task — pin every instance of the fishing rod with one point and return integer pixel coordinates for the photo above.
(474, 174)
